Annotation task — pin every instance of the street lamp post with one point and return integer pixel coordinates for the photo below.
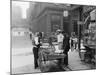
(80, 23)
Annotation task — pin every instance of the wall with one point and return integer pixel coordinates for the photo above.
(75, 17)
(42, 17)
(42, 12)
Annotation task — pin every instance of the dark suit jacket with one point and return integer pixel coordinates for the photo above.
(66, 44)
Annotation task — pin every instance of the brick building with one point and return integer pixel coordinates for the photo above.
(48, 17)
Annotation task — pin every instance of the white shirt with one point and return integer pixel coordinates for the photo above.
(36, 39)
(60, 37)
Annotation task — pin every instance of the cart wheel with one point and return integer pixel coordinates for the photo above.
(42, 65)
(40, 58)
(41, 62)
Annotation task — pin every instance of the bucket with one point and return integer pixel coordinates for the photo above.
(82, 53)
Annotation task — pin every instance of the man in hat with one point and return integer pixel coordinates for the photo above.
(36, 43)
(60, 38)
(66, 47)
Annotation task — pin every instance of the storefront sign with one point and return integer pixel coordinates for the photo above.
(65, 13)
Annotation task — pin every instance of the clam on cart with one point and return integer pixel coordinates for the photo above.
(48, 54)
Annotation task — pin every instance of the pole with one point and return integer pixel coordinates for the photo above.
(79, 27)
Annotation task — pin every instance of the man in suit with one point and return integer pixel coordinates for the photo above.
(66, 47)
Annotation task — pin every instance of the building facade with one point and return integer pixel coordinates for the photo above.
(48, 17)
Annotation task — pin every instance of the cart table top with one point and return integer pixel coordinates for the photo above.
(48, 54)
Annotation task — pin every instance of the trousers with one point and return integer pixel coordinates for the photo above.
(35, 53)
(66, 59)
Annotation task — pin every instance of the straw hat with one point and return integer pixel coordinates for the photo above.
(59, 30)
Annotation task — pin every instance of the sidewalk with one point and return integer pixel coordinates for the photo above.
(75, 62)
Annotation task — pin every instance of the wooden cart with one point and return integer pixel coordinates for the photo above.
(45, 55)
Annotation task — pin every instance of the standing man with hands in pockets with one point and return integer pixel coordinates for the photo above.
(66, 47)
(36, 46)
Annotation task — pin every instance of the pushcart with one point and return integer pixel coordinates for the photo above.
(46, 55)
